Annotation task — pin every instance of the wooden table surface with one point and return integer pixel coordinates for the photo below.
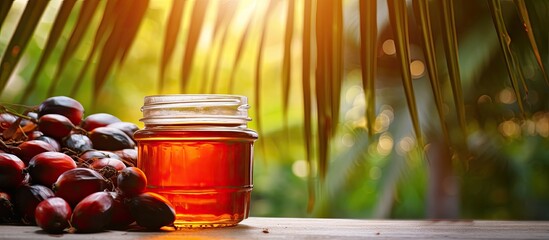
(316, 228)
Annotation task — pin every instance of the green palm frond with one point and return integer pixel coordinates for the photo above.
(504, 41)
(170, 38)
(57, 28)
(197, 19)
(368, 45)
(450, 41)
(226, 11)
(524, 16)
(18, 43)
(85, 15)
(399, 22)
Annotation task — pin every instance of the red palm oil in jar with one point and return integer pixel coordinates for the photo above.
(197, 151)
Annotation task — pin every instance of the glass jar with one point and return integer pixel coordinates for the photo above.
(197, 151)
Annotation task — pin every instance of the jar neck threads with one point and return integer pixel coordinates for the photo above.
(193, 109)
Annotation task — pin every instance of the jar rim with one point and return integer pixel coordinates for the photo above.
(195, 108)
(187, 98)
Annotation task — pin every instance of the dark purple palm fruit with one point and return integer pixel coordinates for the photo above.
(77, 142)
(27, 197)
(7, 211)
(96, 120)
(131, 181)
(151, 210)
(121, 216)
(111, 139)
(62, 105)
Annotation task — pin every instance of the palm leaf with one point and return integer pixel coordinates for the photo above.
(347, 161)
(139, 8)
(170, 37)
(120, 39)
(105, 28)
(257, 86)
(337, 62)
(391, 175)
(226, 11)
(324, 18)
(399, 24)
(421, 8)
(55, 34)
(329, 71)
(307, 105)
(287, 59)
(504, 41)
(87, 11)
(239, 51)
(5, 7)
(524, 16)
(451, 49)
(368, 45)
(197, 19)
(229, 14)
(337, 178)
(30, 18)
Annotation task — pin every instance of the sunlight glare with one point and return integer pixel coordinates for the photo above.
(509, 129)
(417, 69)
(385, 144)
(507, 96)
(388, 47)
(405, 145)
(542, 125)
(300, 168)
(347, 140)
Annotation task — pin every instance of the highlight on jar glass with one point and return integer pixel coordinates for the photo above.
(197, 151)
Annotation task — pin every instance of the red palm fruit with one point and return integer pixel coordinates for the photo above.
(76, 184)
(27, 197)
(108, 167)
(6, 120)
(53, 215)
(11, 171)
(112, 139)
(77, 143)
(55, 125)
(100, 163)
(27, 150)
(46, 167)
(93, 213)
(128, 156)
(88, 157)
(131, 181)
(7, 212)
(127, 127)
(121, 216)
(62, 105)
(96, 120)
(151, 210)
